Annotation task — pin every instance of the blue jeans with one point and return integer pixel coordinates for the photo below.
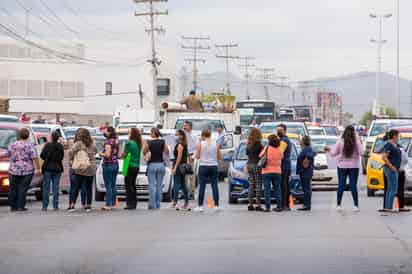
(353, 174)
(269, 180)
(307, 191)
(155, 174)
(179, 182)
(109, 177)
(54, 179)
(210, 172)
(391, 186)
(83, 188)
(18, 190)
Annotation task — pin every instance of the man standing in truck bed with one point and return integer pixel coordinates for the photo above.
(192, 102)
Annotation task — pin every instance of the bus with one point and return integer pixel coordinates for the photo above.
(259, 110)
(287, 114)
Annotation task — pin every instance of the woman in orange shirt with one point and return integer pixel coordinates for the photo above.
(272, 172)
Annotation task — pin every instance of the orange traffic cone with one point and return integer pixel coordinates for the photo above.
(116, 203)
(210, 203)
(291, 202)
(396, 203)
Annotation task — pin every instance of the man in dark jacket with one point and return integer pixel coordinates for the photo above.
(304, 168)
(286, 147)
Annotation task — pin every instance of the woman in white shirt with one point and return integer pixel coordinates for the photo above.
(208, 154)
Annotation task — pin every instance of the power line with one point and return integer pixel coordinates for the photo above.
(57, 17)
(152, 13)
(195, 47)
(227, 58)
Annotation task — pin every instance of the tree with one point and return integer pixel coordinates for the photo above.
(367, 117)
(391, 112)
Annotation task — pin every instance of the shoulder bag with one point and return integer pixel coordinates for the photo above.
(263, 162)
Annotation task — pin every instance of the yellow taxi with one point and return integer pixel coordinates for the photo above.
(374, 169)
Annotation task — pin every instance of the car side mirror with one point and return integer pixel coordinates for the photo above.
(238, 130)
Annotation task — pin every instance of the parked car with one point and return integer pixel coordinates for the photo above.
(298, 128)
(48, 129)
(8, 119)
(8, 135)
(325, 168)
(331, 130)
(315, 131)
(141, 180)
(374, 170)
(238, 178)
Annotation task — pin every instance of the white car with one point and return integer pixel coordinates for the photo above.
(141, 180)
(314, 131)
(325, 168)
(48, 129)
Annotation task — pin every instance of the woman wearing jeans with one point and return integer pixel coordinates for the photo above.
(133, 147)
(392, 157)
(208, 154)
(24, 163)
(110, 166)
(154, 151)
(52, 156)
(272, 172)
(180, 157)
(348, 153)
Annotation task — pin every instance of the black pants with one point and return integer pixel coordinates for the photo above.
(130, 183)
(285, 188)
(18, 190)
(401, 189)
(78, 182)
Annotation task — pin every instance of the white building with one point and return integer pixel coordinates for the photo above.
(38, 83)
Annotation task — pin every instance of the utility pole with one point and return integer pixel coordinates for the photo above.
(246, 65)
(380, 42)
(266, 76)
(141, 96)
(196, 47)
(227, 58)
(154, 61)
(398, 79)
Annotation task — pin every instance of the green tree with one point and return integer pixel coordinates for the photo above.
(367, 117)
(391, 112)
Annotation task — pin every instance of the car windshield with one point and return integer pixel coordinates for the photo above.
(7, 136)
(294, 129)
(70, 133)
(380, 128)
(380, 143)
(332, 131)
(41, 129)
(318, 144)
(9, 119)
(316, 131)
(199, 125)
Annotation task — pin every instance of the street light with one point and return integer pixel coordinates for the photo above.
(380, 42)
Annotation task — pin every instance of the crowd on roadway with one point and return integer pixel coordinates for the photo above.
(269, 167)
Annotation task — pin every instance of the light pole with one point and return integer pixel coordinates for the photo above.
(379, 43)
(398, 80)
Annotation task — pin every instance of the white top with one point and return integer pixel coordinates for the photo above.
(191, 143)
(208, 154)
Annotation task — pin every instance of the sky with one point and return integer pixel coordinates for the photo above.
(301, 39)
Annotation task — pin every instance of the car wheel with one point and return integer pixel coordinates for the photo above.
(99, 196)
(371, 193)
(167, 197)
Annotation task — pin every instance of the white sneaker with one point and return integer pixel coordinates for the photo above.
(338, 208)
(355, 209)
(217, 208)
(198, 209)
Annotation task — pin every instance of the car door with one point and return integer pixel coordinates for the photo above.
(227, 149)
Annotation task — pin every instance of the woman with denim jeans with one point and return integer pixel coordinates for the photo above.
(52, 156)
(392, 156)
(110, 166)
(304, 168)
(180, 157)
(272, 172)
(154, 151)
(208, 155)
(83, 142)
(348, 152)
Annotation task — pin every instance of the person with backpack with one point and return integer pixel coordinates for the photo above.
(180, 162)
(272, 172)
(304, 168)
(132, 148)
(83, 162)
(154, 152)
(110, 166)
(52, 168)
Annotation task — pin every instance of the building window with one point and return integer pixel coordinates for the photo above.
(163, 87)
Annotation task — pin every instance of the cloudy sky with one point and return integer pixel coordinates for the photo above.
(301, 39)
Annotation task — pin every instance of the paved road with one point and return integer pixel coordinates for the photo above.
(231, 241)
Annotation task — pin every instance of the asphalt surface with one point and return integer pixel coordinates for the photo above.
(230, 241)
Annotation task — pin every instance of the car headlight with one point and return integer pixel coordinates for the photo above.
(375, 164)
(5, 182)
(238, 174)
(4, 166)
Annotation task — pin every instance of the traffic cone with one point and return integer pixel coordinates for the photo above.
(396, 204)
(116, 203)
(210, 203)
(291, 202)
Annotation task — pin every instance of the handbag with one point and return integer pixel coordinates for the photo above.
(186, 169)
(81, 161)
(263, 162)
